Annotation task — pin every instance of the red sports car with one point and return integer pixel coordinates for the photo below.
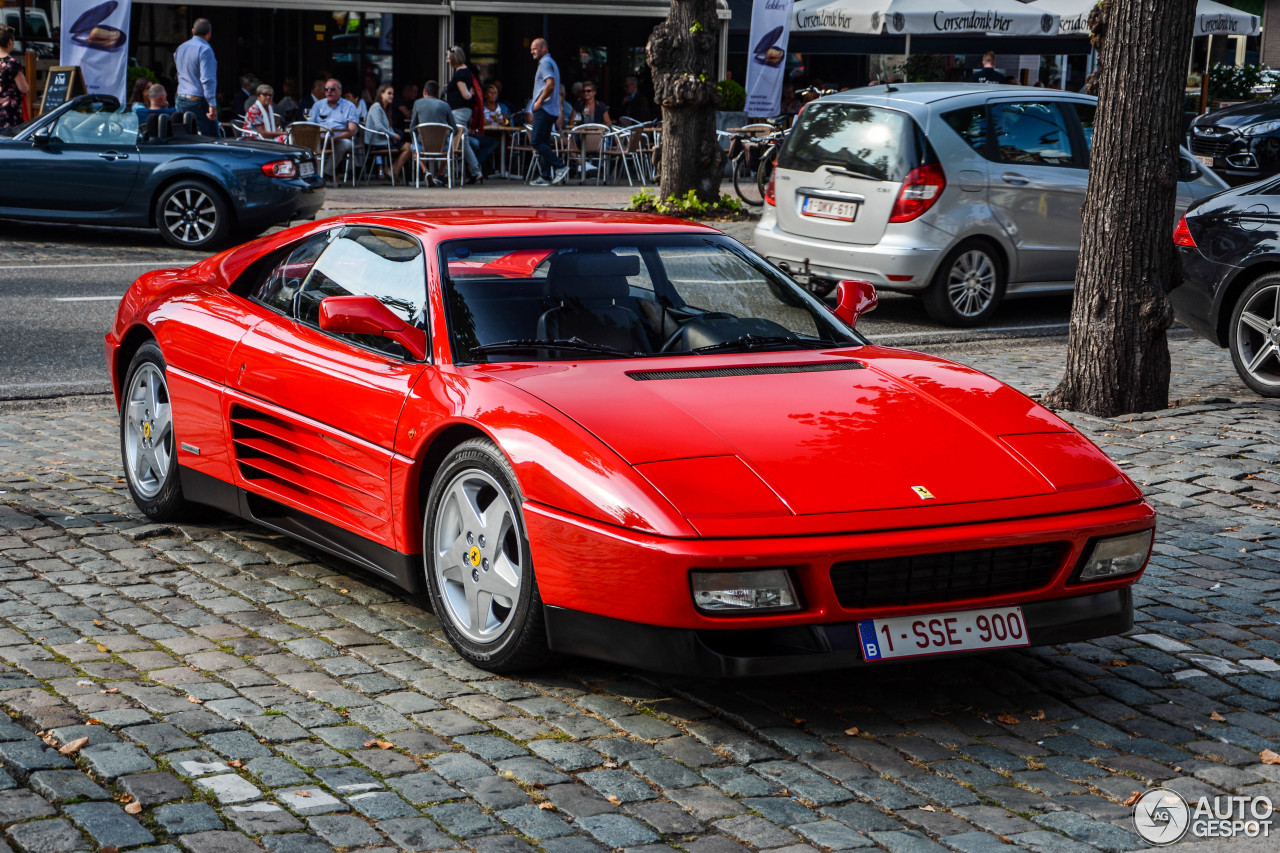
(620, 436)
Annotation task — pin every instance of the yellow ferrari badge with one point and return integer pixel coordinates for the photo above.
(922, 493)
(474, 556)
(146, 429)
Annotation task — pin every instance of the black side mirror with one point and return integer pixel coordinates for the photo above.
(41, 137)
(1188, 170)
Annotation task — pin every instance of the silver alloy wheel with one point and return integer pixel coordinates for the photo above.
(190, 215)
(971, 283)
(148, 430)
(478, 567)
(1258, 336)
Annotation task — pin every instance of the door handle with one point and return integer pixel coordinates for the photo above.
(1014, 178)
(113, 155)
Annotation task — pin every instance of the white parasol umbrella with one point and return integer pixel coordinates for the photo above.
(1212, 19)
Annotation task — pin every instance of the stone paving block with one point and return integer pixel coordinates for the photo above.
(415, 834)
(976, 842)
(566, 755)
(756, 831)
(907, 841)
(347, 780)
(345, 831)
(463, 820)
(22, 805)
(310, 800)
(158, 738)
(218, 841)
(312, 754)
(236, 745)
(381, 805)
(859, 816)
(615, 830)
(1086, 829)
(832, 835)
(183, 818)
(108, 824)
(111, 760)
(21, 758)
(705, 803)
(494, 792)
(274, 772)
(48, 836)
(571, 844)
(261, 818)
(59, 786)
(229, 788)
(620, 784)
(422, 788)
(530, 771)
(295, 842)
(96, 734)
(535, 822)
(276, 728)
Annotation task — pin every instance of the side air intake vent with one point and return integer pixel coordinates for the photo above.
(762, 370)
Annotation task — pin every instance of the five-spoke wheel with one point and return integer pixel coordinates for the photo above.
(148, 447)
(192, 215)
(478, 570)
(968, 286)
(1255, 335)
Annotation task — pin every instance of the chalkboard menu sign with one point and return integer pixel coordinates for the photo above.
(64, 83)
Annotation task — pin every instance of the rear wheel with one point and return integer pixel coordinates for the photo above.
(479, 572)
(147, 444)
(968, 286)
(1255, 335)
(744, 182)
(191, 214)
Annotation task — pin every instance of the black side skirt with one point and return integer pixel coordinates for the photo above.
(404, 570)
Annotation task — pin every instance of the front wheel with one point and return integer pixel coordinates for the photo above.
(968, 286)
(479, 572)
(745, 183)
(147, 444)
(1255, 335)
(192, 214)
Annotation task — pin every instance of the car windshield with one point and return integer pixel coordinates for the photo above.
(624, 296)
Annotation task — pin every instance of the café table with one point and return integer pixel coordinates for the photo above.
(504, 131)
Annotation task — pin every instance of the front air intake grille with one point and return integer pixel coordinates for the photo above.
(1210, 147)
(762, 370)
(948, 576)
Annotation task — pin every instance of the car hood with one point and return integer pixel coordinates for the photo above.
(1241, 115)
(868, 429)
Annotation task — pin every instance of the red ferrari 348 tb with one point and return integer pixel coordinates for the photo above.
(620, 436)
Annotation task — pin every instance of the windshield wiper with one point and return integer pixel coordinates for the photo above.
(750, 342)
(574, 343)
(845, 171)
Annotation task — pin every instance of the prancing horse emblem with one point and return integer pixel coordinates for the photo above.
(922, 493)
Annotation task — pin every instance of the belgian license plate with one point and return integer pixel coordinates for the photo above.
(940, 633)
(1204, 160)
(307, 169)
(822, 208)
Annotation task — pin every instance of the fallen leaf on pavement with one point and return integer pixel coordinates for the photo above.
(1008, 719)
(125, 798)
(194, 701)
(236, 762)
(50, 740)
(1119, 663)
(852, 731)
(614, 799)
(303, 793)
(546, 807)
(1269, 757)
(609, 765)
(72, 747)
(1038, 716)
(110, 690)
(1217, 718)
(110, 848)
(344, 591)
(1132, 799)
(927, 808)
(384, 744)
(97, 621)
(84, 684)
(101, 647)
(93, 721)
(133, 808)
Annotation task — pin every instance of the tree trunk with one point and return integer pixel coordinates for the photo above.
(1117, 350)
(681, 53)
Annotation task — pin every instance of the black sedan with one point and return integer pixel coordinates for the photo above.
(92, 162)
(1230, 293)
(1240, 143)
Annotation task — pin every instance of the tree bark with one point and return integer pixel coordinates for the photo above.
(1117, 350)
(681, 54)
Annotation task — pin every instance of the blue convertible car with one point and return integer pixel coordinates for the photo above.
(91, 162)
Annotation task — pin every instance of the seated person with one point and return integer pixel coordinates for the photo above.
(157, 104)
(261, 118)
(340, 116)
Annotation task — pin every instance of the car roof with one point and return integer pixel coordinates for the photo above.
(930, 93)
(458, 222)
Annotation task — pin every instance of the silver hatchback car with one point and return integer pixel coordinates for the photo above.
(960, 193)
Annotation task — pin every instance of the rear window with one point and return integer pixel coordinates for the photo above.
(878, 143)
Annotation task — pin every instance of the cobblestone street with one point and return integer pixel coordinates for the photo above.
(215, 687)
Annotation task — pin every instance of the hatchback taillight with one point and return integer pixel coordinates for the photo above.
(1182, 235)
(921, 189)
(280, 169)
(770, 189)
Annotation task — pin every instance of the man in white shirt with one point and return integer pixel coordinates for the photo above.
(340, 116)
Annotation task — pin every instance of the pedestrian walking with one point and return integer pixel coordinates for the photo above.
(198, 78)
(13, 81)
(546, 108)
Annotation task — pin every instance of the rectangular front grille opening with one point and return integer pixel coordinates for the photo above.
(758, 370)
(946, 576)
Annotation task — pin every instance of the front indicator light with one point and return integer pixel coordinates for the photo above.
(1116, 556)
(747, 592)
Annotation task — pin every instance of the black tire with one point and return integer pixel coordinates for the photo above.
(476, 475)
(148, 444)
(192, 214)
(968, 285)
(1254, 335)
(765, 173)
(744, 183)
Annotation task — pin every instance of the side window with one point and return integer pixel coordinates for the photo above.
(374, 262)
(1086, 113)
(971, 124)
(1032, 134)
(282, 284)
(96, 123)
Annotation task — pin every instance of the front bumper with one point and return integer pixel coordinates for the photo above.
(805, 648)
(1238, 159)
(894, 263)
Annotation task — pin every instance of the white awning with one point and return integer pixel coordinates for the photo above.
(634, 8)
(923, 17)
(1212, 19)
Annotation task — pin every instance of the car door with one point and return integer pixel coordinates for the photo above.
(88, 163)
(1037, 182)
(313, 414)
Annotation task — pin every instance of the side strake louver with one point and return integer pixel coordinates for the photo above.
(294, 461)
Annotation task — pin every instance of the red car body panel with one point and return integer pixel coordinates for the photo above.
(627, 485)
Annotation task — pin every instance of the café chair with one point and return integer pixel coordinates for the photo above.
(433, 143)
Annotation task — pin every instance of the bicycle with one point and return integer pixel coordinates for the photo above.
(753, 159)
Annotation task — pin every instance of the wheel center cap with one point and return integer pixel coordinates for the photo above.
(146, 430)
(474, 556)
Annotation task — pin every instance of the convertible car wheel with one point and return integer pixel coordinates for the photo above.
(192, 215)
(1255, 336)
(147, 445)
(479, 573)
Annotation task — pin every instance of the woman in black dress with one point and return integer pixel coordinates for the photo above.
(13, 82)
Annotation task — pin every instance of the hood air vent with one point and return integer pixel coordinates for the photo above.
(762, 370)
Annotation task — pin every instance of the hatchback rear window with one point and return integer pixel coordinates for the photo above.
(874, 142)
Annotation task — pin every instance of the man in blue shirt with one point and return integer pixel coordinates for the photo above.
(546, 109)
(340, 116)
(198, 78)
